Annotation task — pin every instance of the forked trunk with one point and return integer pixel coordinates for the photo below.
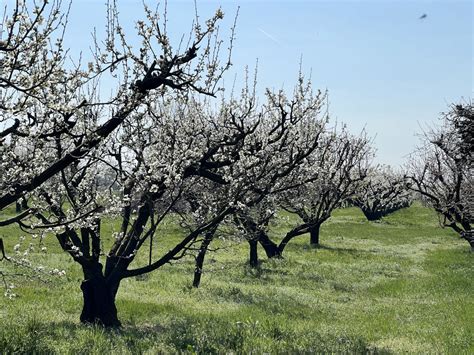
(99, 302)
(372, 215)
(271, 249)
(314, 235)
(253, 243)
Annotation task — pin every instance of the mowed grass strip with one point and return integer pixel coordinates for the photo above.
(399, 285)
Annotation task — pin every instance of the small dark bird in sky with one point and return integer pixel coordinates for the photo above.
(422, 17)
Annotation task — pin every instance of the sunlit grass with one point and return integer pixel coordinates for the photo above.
(399, 285)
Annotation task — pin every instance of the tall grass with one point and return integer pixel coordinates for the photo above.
(399, 285)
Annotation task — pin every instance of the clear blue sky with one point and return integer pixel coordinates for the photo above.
(385, 69)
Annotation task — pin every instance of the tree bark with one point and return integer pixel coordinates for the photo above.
(372, 215)
(24, 204)
(200, 257)
(287, 238)
(271, 249)
(253, 243)
(314, 235)
(469, 237)
(99, 301)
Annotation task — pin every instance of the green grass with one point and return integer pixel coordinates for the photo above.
(399, 285)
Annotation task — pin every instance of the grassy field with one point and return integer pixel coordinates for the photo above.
(399, 285)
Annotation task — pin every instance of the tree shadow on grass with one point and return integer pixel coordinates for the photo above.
(343, 250)
(316, 248)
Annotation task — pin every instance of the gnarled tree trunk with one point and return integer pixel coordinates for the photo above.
(271, 249)
(99, 300)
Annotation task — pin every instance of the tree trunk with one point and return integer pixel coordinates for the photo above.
(469, 236)
(372, 215)
(200, 257)
(253, 243)
(271, 249)
(314, 235)
(21, 205)
(287, 238)
(99, 302)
